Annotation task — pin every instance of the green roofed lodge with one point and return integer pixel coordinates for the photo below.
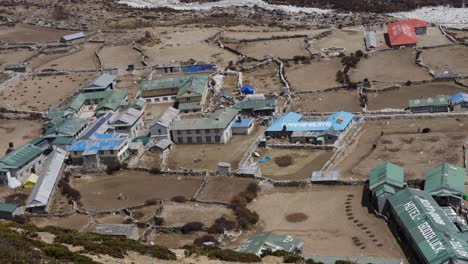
(446, 184)
(384, 181)
(423, 226)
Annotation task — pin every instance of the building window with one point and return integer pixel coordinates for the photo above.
(189, 140)
(112, 152)
(216, 130)
(207, 131)
(75, 152)
(159, 131)
(148, 100)
(101, 152)
(189, 132)
(180, 140)
(156, 99)
(165, 99)
(179, 132)
(199, 139)
(208, 139)
(217, 138)
(173, 98)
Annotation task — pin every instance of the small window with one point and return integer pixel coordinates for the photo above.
(179, 132)
(217, 138)
(207, 131)
(112, 152)
(159, 131)
(189, 140)
(165, 99)
(199, 139)
(216, 130)
(101, 152)
(180, 140)
(148, 100)
(157, 99)
(197, 131)
(208, 139)
(75, 152)
(189, 132)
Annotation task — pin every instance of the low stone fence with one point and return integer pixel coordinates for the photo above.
(330, 89)
(143, 56)
(172, 172)
(252, 147)
(202, 186)
(409, 115)
(301, 146)
(10, 114)
(442, 30)
(265, 39)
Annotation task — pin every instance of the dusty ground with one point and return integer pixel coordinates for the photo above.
(342, 100)
(351, 40)
(100, 191)
(319, 74)
(392, 65)
(18, 131)
(119, 57)
(14, 56)
(177, 214)
(130, 84)
(447, 58)
(223, 189)
(432, 38)
(173, 240)
(207, 156)
(38, 93)
(402, 145)
(304, 163)
(399, 98)
(84, 59)
(240, 33)
(335, 217)
(77, 222)
(265, 80)
(282, 48)
(150, 160)
(29, 33)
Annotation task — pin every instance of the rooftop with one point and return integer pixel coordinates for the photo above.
(20, 156)
(445, 180)
(459, 98)
(386, 173)
(66, 127)
(74, 36)
(113, 143)
(8, 207)
(401, 33)
(166, 118)
(187, 85)
(439, 100)
(127, 230)
(257, 105)
(125, 117)
(101, 81)
(109, 100)
(219, 119)
(244, 122)
(259, 242)
(338, 121)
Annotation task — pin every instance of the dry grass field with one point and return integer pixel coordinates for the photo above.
(29, 33)
(18, 131)
(403, 145)
(432, 38)
(101, 191)
(304, 162)
(267, 33)
(178, 214)
(119, 57)
(40, 92)
(399, 98)
(392, 65)
(14, 56)
(84, 59)
(453, 58)
(351, 40)
(335, 220)
(342, 100)
(207, 156)
(265, 79)
(76, 222)
(318, 74)
(282, 48)
(223, 189)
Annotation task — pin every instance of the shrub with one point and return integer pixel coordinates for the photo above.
(291, 258)
(426, 130)
(155, 171)
(284, 161)
(340, 76)
(233, 256)
(238, 201)
(179, 199)
(191, 227)
(112, 168)
(21, 219)
(359, 54)
(62, 253)
(158, 221)
(253, 188)
(200, 241)
(296, 217)
(245, 217)
(151, 201)
(220, 225)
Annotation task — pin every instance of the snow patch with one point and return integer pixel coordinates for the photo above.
(447, 16)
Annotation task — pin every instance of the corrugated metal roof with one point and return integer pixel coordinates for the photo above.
(42, 192)
(195, 86)
(433, 234)
(439, 100)
(101, 81)
(97, 145)
(20, 156)
(370, 40)
(445, 180)
(109, 100)
(220, 119)
(158, 84)
(259, 242)
(126, 117)
(401, 33)
(386, 174)
(243, 123)
(100, 126)
(67, 127)
(415, 23)
(257, 105)
(8, 207)
(166, 118)
(338, 121)
(74, 36)
(128, 230)
(459, 98)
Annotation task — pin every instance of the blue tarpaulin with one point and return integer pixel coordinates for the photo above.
(247, 89)
(199, 68)
(266, 159)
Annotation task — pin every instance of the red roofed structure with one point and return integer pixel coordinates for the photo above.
(401, 34)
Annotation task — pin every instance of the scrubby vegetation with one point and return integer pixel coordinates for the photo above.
(179, 199)
(192, 227)
(245, 217)
(284, 161)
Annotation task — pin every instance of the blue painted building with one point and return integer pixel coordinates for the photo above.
(243, 126)
(459, 102)
(105, 148)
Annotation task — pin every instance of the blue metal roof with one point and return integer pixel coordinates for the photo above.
(459, 98)
(245, 122)
(96, 145)
(338, 121)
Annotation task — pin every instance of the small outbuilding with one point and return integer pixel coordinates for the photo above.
(129, 231)
(261, 243)
(243, 126)
(459, 102)
(439, 103)
(370, 40)
(103, 82)
(446, 183)
(72, 37)
(8, 210)
(267, 107)
(384, 181)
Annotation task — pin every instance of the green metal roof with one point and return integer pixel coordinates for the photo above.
(188, 86)
(257, 105)
(62, 141)
(386, 174)
(189, 106)
(438, 100)
(36, 141)
(433, 234)
(20, 156)
(138, 104)
(220, 119)
(259, 242)
(67, 127)
(8, 207)
(445, 180)
(109, 100)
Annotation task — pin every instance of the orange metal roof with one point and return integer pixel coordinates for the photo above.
(416, 23)
(401, 33)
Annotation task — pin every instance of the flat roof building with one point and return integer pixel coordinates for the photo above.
(72, 37)
(106, 148)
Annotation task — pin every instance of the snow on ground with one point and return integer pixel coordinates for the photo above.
(175, 4)
(448, 16)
